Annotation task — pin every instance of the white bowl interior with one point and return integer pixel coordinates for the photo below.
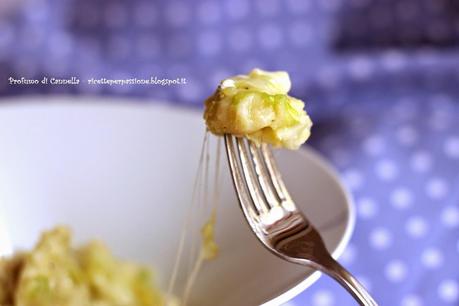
(124, 173)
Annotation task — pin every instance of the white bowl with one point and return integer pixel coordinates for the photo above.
(123, 172)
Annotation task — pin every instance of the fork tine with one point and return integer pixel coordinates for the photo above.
(275, 175)
(238, 179)
(251, 177)
(289, 234)
(266, 183)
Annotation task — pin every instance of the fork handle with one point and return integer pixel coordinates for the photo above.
(347, 280)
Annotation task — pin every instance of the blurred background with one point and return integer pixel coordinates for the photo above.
(380, 79)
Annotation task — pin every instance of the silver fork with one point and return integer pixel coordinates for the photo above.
(274, 217)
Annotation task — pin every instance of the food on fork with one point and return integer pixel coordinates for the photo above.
(55, 274)
(257, 106)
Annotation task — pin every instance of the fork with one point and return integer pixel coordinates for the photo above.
(274, 217)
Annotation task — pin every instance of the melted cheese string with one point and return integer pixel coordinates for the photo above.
(209, 249)
(201, 205)
(186, 223)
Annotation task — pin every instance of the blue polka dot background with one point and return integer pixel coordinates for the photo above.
(380, 79)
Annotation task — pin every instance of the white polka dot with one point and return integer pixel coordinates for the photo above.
(300, 34)
(209, 12)
(386, 169)
(407, 135)
(209, 43)
(322, 298)
(448, 290)
(178, 14)
(411, 300)
(421, 161)
(270, 36)
(401, 198)
(240, 39)
(349, 255)
(393, 61)
(367, 208)
(360, 68)
(395, 271)
(436, 188)
(380, 238)
(451, 147)
(450, 216)
(298, 6)
(353, 179)
(432, 258)
(416, 227)
(328, 77)
(237, 9)
(374, 145)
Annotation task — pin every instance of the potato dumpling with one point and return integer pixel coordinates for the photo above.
(56, 274)
(257, 106)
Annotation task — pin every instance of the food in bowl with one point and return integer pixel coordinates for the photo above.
(257, 106)
(54, 273)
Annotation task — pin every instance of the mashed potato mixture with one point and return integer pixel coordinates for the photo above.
(257, 106)
(55, 274)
